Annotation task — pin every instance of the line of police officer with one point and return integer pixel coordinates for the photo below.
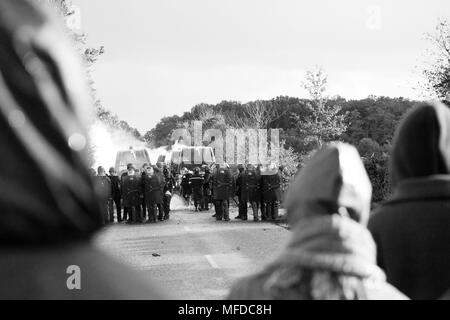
(145, 196)
(259, 186)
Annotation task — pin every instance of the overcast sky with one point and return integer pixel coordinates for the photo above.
(163, 57)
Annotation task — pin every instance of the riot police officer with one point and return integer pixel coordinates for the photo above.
(186, 190)
(116, 192)
(196, 183)
(240, 193)
(251, 190)
(262, 205)
(271, 191)
(153, 185)
(222, 182)
(207, 189)
(168, 190)
(131, 193)
(104, 184)
(143, 202)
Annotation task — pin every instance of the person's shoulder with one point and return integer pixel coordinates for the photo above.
(379, 214)
(249, 288)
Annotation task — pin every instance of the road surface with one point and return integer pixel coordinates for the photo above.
(192, 255)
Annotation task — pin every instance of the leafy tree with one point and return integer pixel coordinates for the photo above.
(325, 121)
(160, 135)
(368, 147)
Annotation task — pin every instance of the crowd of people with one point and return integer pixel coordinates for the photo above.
(138, 195)
(255, 186)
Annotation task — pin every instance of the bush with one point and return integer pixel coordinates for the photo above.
(377, 169)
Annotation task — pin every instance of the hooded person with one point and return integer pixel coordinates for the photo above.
(412, 228)
(50, 208)
(331, 254)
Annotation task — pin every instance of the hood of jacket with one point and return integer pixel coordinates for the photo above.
(421, 145)
(334, 180)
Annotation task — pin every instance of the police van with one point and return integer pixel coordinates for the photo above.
(136, 157)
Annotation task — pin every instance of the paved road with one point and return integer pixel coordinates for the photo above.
(192, 255)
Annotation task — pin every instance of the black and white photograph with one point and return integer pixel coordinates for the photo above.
(239, 152)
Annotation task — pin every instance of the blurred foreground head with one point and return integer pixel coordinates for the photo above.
(47, 193)
(421, 145)
(333, 181)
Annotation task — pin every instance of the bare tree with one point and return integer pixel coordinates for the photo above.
(206, 114)
(437, 70)
(257, 115)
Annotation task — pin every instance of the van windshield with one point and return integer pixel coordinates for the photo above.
(197, 155)
(136, 157)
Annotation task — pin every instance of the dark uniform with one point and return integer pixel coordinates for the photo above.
(222, 182)
(196, 182)
(168, 191)
(116, 195)
(143, 202)
(207, 189)
(131, 193)
(271, 193)
(251, 190)
(239, 193)
(126, 215)
(186, 189)
(104, 184)
(153, 191)
(262, 205)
